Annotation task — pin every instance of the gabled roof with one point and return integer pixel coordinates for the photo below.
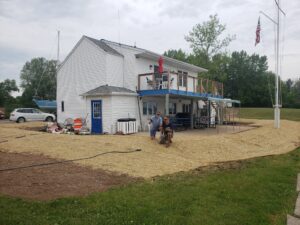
(171, 61)
(140, 52)
(143, 53)
(109, 90)
(104, 46)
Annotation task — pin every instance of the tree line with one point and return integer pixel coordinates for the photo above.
(245, 77)
(38, 80)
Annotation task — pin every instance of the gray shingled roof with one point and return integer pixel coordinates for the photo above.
(104, 46)
(107, 90)
(152, 55)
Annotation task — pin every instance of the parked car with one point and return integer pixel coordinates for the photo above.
(2, 115)
(21, 115)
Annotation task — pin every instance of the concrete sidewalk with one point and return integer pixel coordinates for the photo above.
(295, 220)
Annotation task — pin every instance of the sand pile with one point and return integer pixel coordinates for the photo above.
(189, 150)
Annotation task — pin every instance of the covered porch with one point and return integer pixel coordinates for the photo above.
(188, 112)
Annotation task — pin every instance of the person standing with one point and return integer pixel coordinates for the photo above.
(156, 123)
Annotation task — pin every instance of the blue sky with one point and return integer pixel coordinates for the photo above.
(29, 28)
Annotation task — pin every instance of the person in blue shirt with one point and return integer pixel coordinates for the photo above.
(156, 123)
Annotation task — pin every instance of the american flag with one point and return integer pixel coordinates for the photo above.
(257, 40)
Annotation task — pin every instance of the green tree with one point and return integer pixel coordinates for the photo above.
(205, 38)
(6, 88)
(38, 80)
(296, 90)
(177, 54)
(291, 93)
(218, 67)
(249, 80)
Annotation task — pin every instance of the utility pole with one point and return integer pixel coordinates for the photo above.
(277, 23)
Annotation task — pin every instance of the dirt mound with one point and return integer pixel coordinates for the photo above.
(54, 181)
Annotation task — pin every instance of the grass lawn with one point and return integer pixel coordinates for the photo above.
(268, 113)
(261, 191)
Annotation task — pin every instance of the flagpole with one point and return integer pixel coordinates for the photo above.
(276, 106)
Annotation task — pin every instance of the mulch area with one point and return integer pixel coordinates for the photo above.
(53, 181)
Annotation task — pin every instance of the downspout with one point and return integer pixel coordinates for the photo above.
(140, 117)
(123, 71)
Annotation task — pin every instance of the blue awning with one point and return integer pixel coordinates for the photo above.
(175, 92)
(45, 104)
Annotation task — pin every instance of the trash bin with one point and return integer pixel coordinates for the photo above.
(127, 126)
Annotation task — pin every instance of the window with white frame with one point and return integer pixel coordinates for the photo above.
(186, 108)
(182, 78)
(172, 108)
(149, 108)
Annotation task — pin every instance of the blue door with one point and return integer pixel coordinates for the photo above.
(96, 116)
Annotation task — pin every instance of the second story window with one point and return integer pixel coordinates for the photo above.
(182, 78)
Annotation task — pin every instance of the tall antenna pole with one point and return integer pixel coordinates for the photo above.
(58, 37)
(119, 27)
(276, 107)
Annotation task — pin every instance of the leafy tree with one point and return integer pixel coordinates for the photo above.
(6, 87)
(38, 79)
(291, 93)
(218, 67)
(248, 79)
(177, 54)
(289, 84)
(296, 90)
(205, 38)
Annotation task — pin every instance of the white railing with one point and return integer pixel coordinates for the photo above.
(170, 80)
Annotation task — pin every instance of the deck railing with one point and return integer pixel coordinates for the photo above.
(182, 82)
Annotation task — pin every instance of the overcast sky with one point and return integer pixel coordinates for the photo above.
(29, 28)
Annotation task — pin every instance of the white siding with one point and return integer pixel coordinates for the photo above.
(143, 66)
(113, 108)
(123, 107)
(130, 71)
(190, 84)
(82, 71)
(114, 70)
(134, 66)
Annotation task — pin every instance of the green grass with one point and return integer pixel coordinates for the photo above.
(262, 191)
(268, 113)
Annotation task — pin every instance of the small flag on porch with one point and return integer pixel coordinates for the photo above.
(160, 65)
(257, 40)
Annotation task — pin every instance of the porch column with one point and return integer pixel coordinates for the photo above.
(192, 113)
(167, 113)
